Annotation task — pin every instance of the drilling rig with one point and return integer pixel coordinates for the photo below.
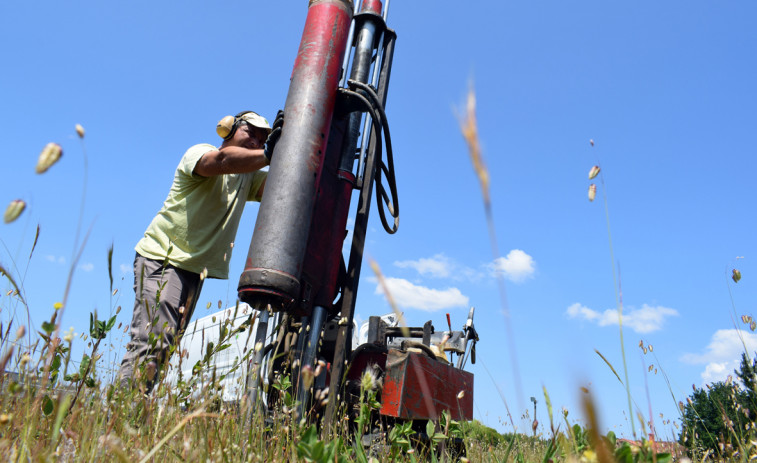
(336, 144)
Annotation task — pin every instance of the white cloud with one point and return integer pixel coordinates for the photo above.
(410, 296)
(56, 259)
(438, 266)
(88, 267)
(723, 354)
(643, 320)
(517, 266)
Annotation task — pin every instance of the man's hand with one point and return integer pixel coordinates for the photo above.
(274, 136)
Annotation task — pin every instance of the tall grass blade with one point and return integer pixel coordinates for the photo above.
(197, 414)
(34, 244)
(110, 266)
(609, 365)
(13, 283)
(469, 129)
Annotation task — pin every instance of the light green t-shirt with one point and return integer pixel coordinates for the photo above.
(200, 217)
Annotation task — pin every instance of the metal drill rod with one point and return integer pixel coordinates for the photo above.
(308, 358)
(253, 375)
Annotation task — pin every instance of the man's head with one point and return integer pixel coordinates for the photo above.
(247, 129)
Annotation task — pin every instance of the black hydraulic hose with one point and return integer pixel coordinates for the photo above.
(388, 169)
(419, 345)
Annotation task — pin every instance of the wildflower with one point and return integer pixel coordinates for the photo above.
(593, 172)
(736, 276)
(58, 305)
(14, 209)
(69, 336)
(80, 130)
(589, 456)
(49, 156)
(592, 192)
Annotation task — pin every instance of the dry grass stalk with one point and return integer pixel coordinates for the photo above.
(469, 128)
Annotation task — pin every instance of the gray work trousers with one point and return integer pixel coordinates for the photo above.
(165, 297)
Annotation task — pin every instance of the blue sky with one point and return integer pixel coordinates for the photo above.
(665, 90)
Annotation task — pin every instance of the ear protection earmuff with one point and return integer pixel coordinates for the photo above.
(229, 124)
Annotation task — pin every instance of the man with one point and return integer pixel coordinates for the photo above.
(192, 238)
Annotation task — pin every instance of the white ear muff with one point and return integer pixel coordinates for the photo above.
(225, 127)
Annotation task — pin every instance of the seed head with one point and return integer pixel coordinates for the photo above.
(14, 209)
(80, 130)
(20, 332)
(204, 274)
(593, 172)
(49, 156)
(368, 382)
(736, 276)
(307, 376)
(460, 394)
(592, 192)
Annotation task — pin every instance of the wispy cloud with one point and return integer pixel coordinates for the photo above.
(439, 266)
(87, 267)
(517, 266)
(723, 354)
(411, 296)
(644, 320)
(56, 259)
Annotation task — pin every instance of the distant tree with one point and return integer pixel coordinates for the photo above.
(714, 418)
(476, 430)
(747, 373)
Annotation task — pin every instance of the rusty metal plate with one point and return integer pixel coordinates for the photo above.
(419, 387)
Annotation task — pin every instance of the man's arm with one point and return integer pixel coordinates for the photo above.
(230, 160)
